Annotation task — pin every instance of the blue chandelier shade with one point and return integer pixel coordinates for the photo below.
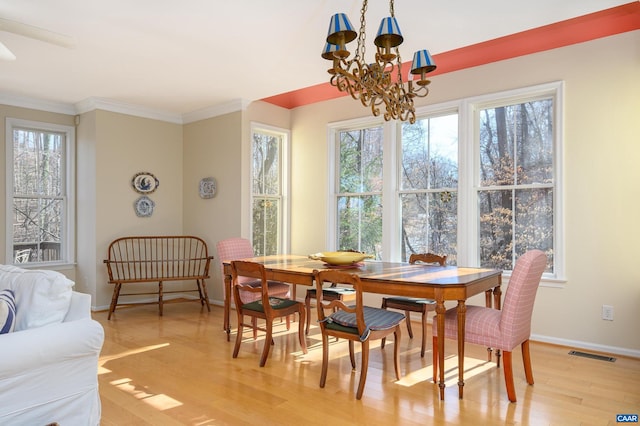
(340, 31)
(328, 51)
(422, 62)
(389, 34)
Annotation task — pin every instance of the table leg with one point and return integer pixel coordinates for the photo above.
(440, 310)
(462, 312)
(227, 305)
(497, 297)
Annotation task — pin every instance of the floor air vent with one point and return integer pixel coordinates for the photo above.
(593, 356)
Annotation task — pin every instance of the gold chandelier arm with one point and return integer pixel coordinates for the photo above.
(381, 82)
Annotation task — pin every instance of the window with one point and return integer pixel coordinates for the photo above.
(359, 194)
(516, 181)
(268, 191)
(476, 179)
(428, 195)
(40, 202)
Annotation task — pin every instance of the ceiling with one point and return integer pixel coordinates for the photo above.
(181, 57)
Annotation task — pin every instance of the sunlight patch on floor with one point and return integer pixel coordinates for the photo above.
(106, 358)
(472, 367)
(158, 401)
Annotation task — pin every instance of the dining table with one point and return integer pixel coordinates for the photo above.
(439, 283)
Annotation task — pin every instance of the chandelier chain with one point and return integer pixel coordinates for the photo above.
(362, 36)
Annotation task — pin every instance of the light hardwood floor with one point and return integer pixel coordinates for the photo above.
(178, 370)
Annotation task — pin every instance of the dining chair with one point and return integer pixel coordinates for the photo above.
(354, 323)
(502, 329)
(240, 248)
(333, 292)
(412, 304)
(266, 307)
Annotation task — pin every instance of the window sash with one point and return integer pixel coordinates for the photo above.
(269, 212)
(41, 245)
(468, 190)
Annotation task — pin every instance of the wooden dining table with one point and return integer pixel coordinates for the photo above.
(440, 283)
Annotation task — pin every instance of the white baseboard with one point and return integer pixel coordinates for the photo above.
(634, 353)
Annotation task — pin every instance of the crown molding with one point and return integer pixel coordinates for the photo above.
(94, 103)
(214, 111)
(38, 104)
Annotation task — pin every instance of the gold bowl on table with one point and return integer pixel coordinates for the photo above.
(339, 258)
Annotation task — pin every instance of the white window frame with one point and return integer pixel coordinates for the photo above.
(468, 175)
(67, 245)
(284, 222)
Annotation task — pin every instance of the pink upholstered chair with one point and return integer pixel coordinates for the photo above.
(240, 248)
(502, 329)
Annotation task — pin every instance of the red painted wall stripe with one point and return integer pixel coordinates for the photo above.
(596, 25)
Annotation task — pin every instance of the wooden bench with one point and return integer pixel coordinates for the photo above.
(158, 259)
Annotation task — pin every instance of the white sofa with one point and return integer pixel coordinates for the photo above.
(49, 363)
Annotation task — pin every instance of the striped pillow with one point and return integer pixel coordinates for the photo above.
(7, 311)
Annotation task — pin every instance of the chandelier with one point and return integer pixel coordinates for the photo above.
(380, 82)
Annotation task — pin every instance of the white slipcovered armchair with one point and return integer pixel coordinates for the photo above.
(49, 362)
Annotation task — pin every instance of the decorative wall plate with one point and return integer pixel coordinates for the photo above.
(144, 183)
(208, 187)
(144, 206)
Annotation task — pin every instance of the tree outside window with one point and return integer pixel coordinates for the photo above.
(359, 194)
(266, 187)
(515, 194)
(38, 191)
(429, 187)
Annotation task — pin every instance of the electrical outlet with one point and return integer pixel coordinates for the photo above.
(607, 312)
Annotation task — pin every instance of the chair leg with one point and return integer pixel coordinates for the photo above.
(396, 352)
(408, 315)
(254, 323)
(307, 304)
(526, 359)
(383, 306)
(352, 355)
(434, 350)
(508, 376)
(364, 368)
(424, 334)
(267, 342)
(301, 322)
(325, 359)
(236, 348)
